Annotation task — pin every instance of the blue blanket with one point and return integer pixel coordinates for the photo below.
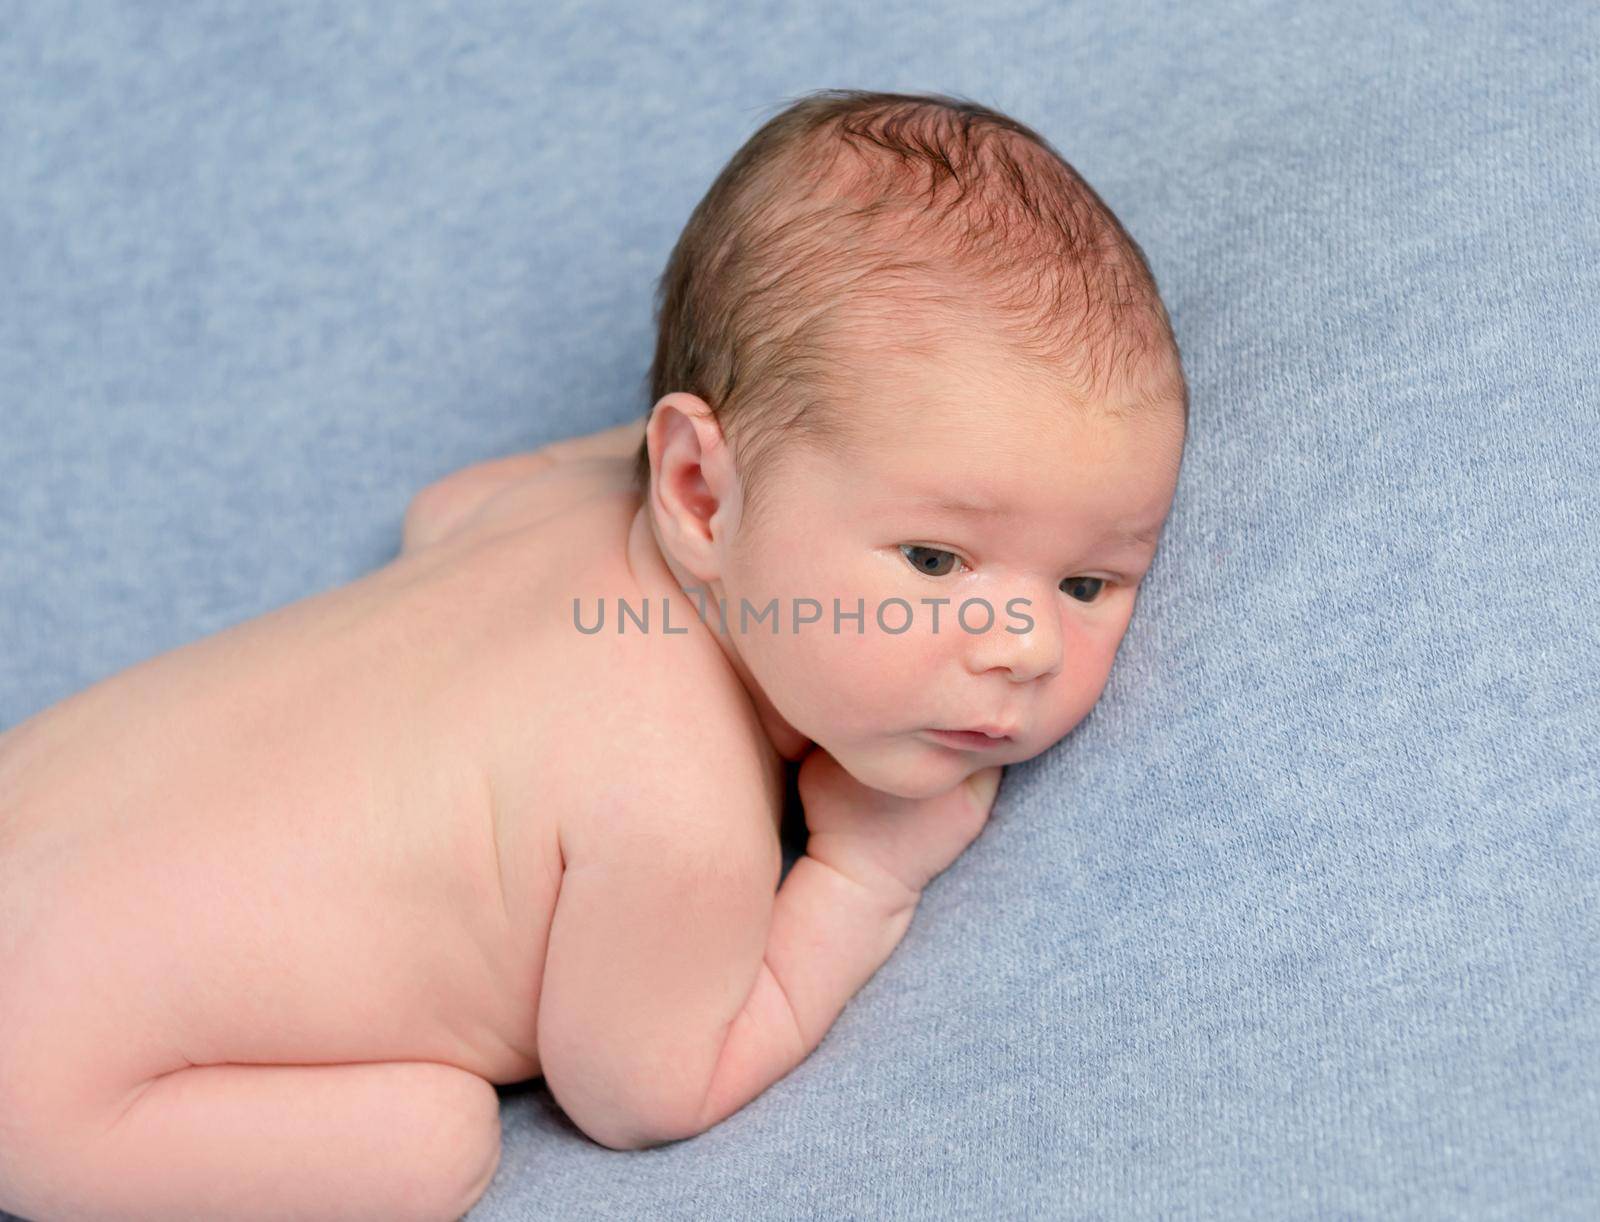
(1302, 921)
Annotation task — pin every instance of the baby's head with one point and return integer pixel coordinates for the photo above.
(884, 302)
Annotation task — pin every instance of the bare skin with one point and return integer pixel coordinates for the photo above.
(326, 837)
(297, 879)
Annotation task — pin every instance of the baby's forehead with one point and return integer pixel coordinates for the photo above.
(989, 407)
(952, 445)
(1007, 470)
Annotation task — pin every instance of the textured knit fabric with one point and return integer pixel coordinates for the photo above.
(1302, 921)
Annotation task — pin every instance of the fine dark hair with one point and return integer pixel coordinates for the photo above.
(853, 223)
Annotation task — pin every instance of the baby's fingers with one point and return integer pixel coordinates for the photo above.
(983, 785)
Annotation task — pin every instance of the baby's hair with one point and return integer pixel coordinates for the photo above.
(855, 224)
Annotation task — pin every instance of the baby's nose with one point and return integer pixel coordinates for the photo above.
(1021, 640)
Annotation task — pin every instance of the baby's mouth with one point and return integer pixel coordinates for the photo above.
(970, 739)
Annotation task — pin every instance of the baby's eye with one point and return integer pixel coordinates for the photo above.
(1077, 583)
(929, 560)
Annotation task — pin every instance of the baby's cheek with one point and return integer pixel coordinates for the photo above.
(885, 678)
(814, 683)
(1079, 686)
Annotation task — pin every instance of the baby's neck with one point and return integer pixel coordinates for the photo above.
(647, 557)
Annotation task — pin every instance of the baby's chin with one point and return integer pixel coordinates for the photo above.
(911, 768)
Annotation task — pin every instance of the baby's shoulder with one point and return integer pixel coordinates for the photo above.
(687, 779)
(680, 726)
(617, 693)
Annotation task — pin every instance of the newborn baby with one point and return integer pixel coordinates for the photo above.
(280, 907)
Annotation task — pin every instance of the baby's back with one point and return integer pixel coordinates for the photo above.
(328, 834)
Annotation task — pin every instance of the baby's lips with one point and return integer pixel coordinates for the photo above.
(983, 784)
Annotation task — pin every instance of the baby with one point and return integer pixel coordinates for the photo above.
(280, 907)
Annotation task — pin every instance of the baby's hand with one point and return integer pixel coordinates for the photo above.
(894, 845)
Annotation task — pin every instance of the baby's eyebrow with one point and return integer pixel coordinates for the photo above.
(944, 502)
(1147, 535)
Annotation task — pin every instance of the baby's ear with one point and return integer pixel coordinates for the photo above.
(695, 486)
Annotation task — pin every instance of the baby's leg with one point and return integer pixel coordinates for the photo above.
(379, 1140)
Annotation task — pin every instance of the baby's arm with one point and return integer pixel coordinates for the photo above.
(830, 934)
(666, 895)
(676, 988)
(842, 910)
(449, 501)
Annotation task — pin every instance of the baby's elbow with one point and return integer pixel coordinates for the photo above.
(633, 1132)
(417, 528)
(437, 510)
